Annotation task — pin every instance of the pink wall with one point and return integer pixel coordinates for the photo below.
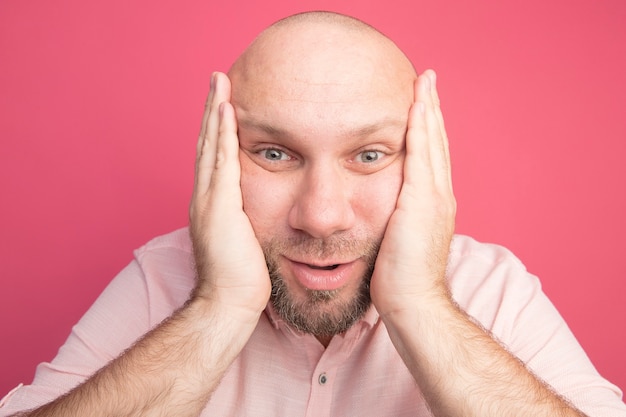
(100, 103)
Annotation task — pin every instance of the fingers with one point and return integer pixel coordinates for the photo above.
(207, 147)
(442, 130)
(227, 172)
(203, 129)
(428, 159)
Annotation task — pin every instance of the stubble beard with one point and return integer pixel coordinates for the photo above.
(321, 312)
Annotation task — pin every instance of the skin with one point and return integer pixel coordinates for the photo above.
(244, 200)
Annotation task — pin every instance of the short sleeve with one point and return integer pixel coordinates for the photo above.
(495, 288)
(117, 318)
(148, 290)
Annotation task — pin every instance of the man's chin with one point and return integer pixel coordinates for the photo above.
(321, 313)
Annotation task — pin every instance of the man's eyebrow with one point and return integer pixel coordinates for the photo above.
(261, 126)
(375, 127)
(359, 131)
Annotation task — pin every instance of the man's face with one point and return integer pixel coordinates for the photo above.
(322, 151)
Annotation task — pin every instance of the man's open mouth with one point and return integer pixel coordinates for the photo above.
(324, 268)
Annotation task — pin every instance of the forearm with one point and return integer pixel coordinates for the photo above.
(172, 370)
(463, 371)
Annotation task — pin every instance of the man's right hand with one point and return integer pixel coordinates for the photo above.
(189, 352)
(231, 270)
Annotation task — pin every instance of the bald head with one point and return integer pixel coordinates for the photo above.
(320, 48)
(305, 33)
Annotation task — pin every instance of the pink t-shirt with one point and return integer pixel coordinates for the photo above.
(282, 372)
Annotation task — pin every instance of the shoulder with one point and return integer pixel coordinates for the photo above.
(489, 282)
(467, 249)
(472, 262)
(176, 241)
(170, 252)
(167, 267)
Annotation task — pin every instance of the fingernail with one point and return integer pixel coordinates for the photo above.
(421, 107)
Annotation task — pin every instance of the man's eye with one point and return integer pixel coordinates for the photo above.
(369, 156)
(275, 155)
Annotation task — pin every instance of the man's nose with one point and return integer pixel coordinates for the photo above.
(323, 203)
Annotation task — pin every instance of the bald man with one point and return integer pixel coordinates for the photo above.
(327, 280)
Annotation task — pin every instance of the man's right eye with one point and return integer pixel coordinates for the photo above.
(275, 155)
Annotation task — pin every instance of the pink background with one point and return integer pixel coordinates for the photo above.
(100, 104)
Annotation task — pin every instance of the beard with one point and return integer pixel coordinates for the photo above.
(321, 312)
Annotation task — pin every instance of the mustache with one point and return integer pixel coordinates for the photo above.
(342, 246)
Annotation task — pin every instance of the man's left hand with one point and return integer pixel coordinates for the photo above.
(411, 264)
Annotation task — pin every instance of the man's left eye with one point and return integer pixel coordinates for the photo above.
(369, 156)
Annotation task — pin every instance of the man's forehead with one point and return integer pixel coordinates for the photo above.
(353, 108)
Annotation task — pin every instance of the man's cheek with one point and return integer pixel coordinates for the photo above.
(249, 188)
(377, 196)
(391, 192)
(392, 178)
(264, 199)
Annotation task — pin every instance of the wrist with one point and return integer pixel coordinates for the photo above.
(422, 301)
(210, 312)
(420, 313)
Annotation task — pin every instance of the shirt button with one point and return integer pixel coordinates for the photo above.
(323, 379)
